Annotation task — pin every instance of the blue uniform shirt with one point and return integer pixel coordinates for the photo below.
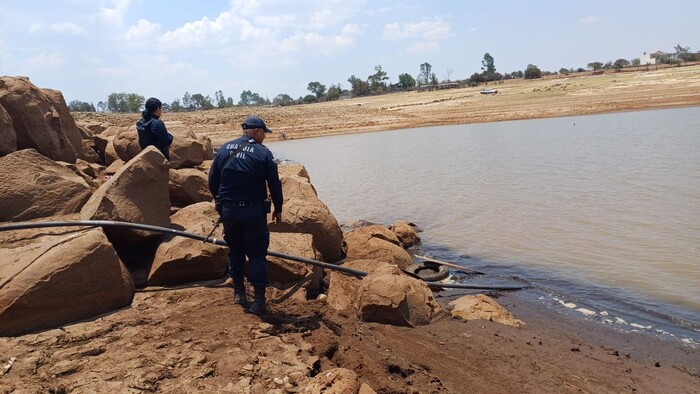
(246, 176)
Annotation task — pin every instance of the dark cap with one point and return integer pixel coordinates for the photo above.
(152, 104)
(254, 122)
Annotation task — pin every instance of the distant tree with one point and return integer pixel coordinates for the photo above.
(219, 99)
(333, 92)
(199, 101)
(175, 106)
(487, 65)
(621, 63)
(406, 81)
(424, 75)
(608, 65)
(377, 84)
(434, 80)
(310, 98)
(249, 98)
(116, 102)
(476, 79)
(532, 72)
(80, 106)
(358, 87)
(166, 107)
(101, 106)
(580, 70)
(636, 61)
(496, 76)
(187, 101)
(595, 66)
(316, 88)
(564, 71)
(229, 102)
(282, 99)
(448, 74)
(683, 53)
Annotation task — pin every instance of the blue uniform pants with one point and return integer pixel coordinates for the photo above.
(246, 233)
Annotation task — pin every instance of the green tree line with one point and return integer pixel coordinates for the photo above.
(375, 83)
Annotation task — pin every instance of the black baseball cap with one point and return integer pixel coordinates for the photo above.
(254, 122)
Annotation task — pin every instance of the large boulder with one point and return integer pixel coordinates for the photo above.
(406, 233)
(304, 212)
(182, 260)
(36, 122)
(187, 150)
(283, 271)
(34, 186)
(126, 143)
(342, 288)
(190, 151)
(188, 186)
(482, 307)
(391, 297)
(60, 279)
(137, 193)
(333, 381)
(378, 243)
(68, 126)
(8, 137)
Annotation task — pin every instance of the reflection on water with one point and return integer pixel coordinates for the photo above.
(608, 199)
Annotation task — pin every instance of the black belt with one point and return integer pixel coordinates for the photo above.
(230, 204)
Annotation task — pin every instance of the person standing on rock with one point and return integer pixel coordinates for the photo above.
(152, 130)
(240, 175)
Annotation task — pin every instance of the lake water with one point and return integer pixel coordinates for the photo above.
(602, 211)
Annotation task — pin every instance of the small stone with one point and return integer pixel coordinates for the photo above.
(248, 367)
(278, 381)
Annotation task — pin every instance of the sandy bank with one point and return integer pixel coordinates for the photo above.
(516, 99)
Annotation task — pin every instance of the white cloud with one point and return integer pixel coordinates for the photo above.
(68, 27)
(377, 11)
(201, 32)
(434, 30)
(115, 15)
(302, 15)
(143, 31)
(46, 61)
(424, 47)
(587, 20)
(35, 28)
(473, 29)
(319, 43)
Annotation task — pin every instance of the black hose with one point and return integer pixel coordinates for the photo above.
(221, 242)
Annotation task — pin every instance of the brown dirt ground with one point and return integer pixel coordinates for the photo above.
(194, 339)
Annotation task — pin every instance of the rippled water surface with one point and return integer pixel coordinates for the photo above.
(606, 200)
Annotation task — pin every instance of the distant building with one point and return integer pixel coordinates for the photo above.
(653, 57)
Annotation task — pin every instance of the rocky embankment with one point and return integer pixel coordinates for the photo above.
(54, 169)
(120, 310)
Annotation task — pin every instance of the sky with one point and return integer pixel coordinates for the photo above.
(90, 48)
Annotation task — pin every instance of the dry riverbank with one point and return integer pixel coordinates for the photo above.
(516, 99)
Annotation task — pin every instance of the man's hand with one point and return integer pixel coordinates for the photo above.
(277, 216)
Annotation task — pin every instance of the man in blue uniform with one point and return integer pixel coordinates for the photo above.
(152, 130)
(240, 175)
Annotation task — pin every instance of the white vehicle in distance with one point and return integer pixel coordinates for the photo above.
(489, 91)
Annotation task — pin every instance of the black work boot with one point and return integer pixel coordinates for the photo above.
(239, 297)
(258, 306)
